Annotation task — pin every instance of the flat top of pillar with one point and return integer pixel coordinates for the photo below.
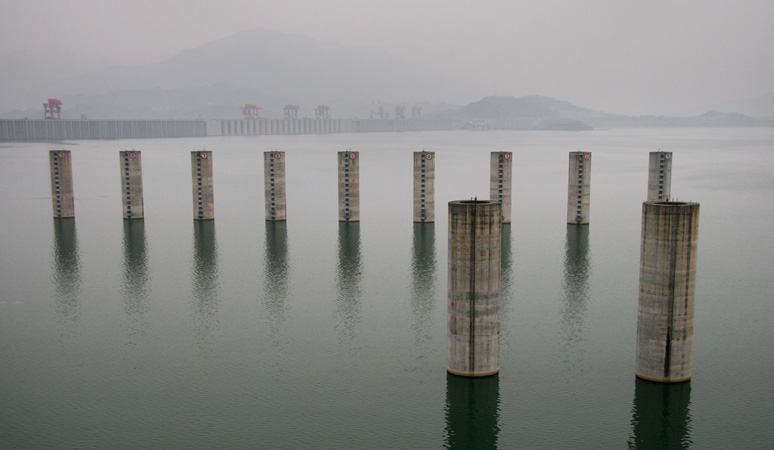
(671, 204)
(474, 202)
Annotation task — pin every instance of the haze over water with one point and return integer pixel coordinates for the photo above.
(168, 333)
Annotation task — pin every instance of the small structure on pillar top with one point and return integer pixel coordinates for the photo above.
(291, 112)
(251, 111)
(399, 112)
(416, 112)
(52, 109)
(322, 112)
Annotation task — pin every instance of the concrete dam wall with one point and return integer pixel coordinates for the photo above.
(57, 130)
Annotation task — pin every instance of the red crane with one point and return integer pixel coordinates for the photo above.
(291, 111)
(399, 114)
(52, 109)
(322, 112)
(416, 112)
(251, 111)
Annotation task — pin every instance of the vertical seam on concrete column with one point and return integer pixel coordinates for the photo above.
(472, 292)
(673, 223)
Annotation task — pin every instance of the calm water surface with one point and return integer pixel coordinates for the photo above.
(240, 333)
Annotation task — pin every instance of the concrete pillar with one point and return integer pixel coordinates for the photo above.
(473, 312)
(131, 184)
(424, 186)
(579, 188)
(349, 186)
(501, 169)
(62, 196)
(274, 185)
(203, 196)
(659, 176)
(670, 232)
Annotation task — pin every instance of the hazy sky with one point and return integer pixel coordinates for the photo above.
(636, 57)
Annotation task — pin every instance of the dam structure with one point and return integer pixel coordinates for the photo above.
(424, 187)
(63, 201)
(131, 184)
(473, 307)
(349, 186)
(274, 185)
(659, 176)
(579, 188)
(203, 192)
(670, 233)
(500, 176)
(58, 130)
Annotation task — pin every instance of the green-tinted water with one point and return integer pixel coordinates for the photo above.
(240, 333)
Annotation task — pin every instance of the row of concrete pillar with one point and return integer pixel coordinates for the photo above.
(667, 259)
(668, 250)
(501, 170)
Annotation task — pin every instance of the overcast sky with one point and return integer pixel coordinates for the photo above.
(625, 56)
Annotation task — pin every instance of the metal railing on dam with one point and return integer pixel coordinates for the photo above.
(55, 130)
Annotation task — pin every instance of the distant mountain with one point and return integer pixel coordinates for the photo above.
(23, 74)
(537, 112)
(268, 67)
(528, 112)
(759, 106)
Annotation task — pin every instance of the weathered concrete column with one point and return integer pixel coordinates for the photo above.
(131, 184)
(424, 186)
(579, 188)
(670, 232)
(659, 176)
(349, 186)
(473, 312)
(274, 185)
(62, 196)
(501, 169)
(203, 195)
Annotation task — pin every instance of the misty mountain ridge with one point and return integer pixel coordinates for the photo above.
(274, 68)
(271, 69)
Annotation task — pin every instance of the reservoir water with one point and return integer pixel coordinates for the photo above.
(241, 333)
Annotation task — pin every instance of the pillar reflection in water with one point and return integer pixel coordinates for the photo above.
(472, 412)
(423, 287)
(67, 278)
(276, 268)
(348, 280)
(135, 285)
(576, 292)
(661, 415)
(205, 279)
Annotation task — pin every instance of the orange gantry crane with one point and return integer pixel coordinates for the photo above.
(52, 109)
(291, 111)
(251, 111)
(322, 112)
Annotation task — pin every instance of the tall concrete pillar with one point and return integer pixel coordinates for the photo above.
(203, 195)
(579, 188)
(274, 185)
(131, 184)
(659, 176)
(349, 186)
(473, 312)
(424, 186)
(62, 196)
(670, 232)
(501, 169)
